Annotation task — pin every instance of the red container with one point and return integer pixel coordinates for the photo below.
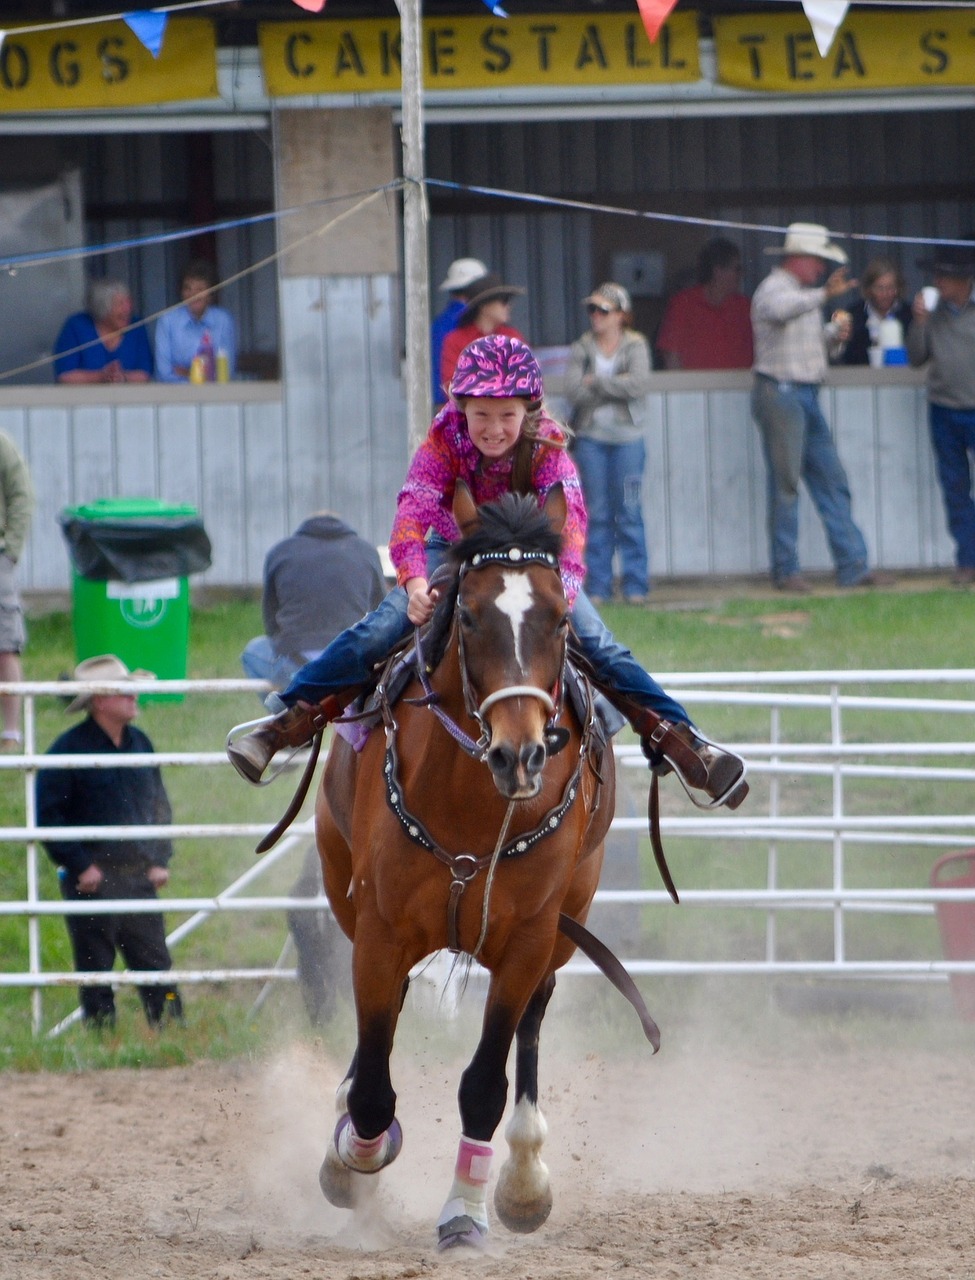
(956, 920)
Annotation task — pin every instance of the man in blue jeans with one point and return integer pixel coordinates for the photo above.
(946, 337)
(792, 348)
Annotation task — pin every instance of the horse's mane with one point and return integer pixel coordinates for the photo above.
(514, 520)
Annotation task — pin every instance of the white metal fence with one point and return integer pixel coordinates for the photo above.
(821, 737)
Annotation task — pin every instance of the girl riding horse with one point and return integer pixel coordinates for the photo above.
(494, 436)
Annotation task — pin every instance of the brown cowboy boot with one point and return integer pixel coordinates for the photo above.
(251, 754)
(701, 765)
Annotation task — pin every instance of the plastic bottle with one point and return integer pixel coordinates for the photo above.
(198, 371)
(206, 353)
(223, 365)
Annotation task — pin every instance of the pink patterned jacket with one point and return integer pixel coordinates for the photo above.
(447, 455)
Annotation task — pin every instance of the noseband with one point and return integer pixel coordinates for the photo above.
(514, 558)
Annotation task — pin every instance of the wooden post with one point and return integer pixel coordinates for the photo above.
(415, 221)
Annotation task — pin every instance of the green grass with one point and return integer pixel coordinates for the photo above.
(846, 631)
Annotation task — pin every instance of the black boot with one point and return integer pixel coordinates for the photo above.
(251, 754)
(701, 765)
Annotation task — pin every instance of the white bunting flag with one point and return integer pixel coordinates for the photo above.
(825, 18)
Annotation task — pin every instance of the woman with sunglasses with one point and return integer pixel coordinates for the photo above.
(607, 384)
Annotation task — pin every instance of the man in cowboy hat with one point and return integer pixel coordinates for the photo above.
(488, 310)
(461, 274)
(792, 349)
(943, 336)
(133, 867)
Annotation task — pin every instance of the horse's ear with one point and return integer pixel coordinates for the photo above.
(556, 507)
(465, 508)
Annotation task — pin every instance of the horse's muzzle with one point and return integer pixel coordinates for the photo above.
(517, 773)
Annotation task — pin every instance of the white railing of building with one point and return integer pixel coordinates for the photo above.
(775, 758)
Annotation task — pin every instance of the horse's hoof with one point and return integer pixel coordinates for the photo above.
(521, 1216)
(337, 1181)
(344, 1139)
(461, 1231)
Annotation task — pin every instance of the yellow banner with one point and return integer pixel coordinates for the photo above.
(106, 65)
(777, 52)
(335, 56)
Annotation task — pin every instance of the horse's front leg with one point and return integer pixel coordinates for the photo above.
(482, 1097)
(367, 1136)
(523, 1195)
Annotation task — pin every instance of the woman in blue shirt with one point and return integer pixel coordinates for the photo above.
(98, 345)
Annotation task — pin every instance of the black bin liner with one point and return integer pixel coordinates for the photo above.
(141, 550)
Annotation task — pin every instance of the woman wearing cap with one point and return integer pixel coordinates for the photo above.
(495, 437)
(488, 311)
(607, 383)
(462, 274)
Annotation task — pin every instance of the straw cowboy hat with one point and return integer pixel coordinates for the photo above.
(105, 667)
(951, 260)
(486, 289)
(461, 274)
(809, 238)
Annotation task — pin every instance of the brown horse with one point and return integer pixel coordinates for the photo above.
(471, 823)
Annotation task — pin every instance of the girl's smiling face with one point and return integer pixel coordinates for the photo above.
(494, 424)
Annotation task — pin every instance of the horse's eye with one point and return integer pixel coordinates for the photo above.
(563, 626)
(465, 617)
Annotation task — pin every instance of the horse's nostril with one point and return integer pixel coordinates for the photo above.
(501, 759)
(533, 758)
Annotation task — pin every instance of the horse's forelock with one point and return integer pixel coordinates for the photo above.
(514, 520)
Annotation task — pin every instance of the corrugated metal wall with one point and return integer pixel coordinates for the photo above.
(897, 173)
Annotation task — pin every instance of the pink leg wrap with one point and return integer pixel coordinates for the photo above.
(473, 1165)
(363, 1149)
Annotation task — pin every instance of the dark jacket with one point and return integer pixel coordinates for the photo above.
(316, 583)
(102, 798)
(855, 351)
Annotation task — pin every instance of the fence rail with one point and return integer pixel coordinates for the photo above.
(832, 755)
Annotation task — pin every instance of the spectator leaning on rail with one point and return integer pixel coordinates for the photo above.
(792, 346)
(943, 336)
(131, 868)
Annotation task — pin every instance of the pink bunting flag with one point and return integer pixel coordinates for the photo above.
(313, 6)
(654, 14)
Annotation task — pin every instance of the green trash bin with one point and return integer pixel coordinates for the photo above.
(131, 560)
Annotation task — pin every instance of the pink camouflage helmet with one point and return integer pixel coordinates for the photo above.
(498, 366)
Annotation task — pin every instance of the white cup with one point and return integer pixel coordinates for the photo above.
(876, 357)
(931, 296)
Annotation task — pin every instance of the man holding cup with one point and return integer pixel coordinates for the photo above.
(943, 337)
(792, 350)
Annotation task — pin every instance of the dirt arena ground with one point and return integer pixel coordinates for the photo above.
(790, 1163)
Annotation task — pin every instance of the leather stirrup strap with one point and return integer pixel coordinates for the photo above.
(603, 959)
(653, 822)
(297, 800)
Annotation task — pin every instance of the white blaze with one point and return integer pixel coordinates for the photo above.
(514, 602)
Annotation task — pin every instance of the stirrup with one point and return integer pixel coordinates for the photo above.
(730, 790)
(241, 731)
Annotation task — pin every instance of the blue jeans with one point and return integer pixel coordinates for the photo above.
(797, 444)
(261, 661)
(349, 659)
(953, 438)
(612, 480)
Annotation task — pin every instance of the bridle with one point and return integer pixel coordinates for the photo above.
(555, 738)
